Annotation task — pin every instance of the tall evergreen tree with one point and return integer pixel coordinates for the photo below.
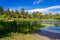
(7, 12)
(1, 10)
(22, 12)
(16, 13)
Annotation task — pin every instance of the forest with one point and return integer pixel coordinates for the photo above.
(7, 13)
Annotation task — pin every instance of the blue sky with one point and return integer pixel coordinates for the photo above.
(32, 5)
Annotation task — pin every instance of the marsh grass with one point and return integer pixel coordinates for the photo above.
(19, 26)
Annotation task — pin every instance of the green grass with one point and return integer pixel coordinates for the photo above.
(18, 26)
(46, 25)
(20, 36)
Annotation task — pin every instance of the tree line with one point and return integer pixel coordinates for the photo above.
(23, 14)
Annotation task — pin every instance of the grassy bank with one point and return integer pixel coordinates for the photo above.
(19, 26)
(20, 36)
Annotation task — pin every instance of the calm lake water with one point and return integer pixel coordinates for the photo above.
(52, 31)
(53, 23)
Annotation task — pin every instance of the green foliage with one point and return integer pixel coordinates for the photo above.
(19, 26)
(24, 14)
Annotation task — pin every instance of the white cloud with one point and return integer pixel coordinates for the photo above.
(37, 1)
(14, 8)
(53, 7)
(34, 10)
(44, 9)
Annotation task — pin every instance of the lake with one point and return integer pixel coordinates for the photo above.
(53, 31)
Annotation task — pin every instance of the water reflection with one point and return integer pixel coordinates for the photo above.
(49, 34)
(53, 23)
(57, 25)
(52, 31)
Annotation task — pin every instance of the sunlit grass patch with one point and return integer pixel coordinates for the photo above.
(46, 25)
(21, 36)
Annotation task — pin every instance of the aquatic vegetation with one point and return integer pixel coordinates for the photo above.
(24, 26)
